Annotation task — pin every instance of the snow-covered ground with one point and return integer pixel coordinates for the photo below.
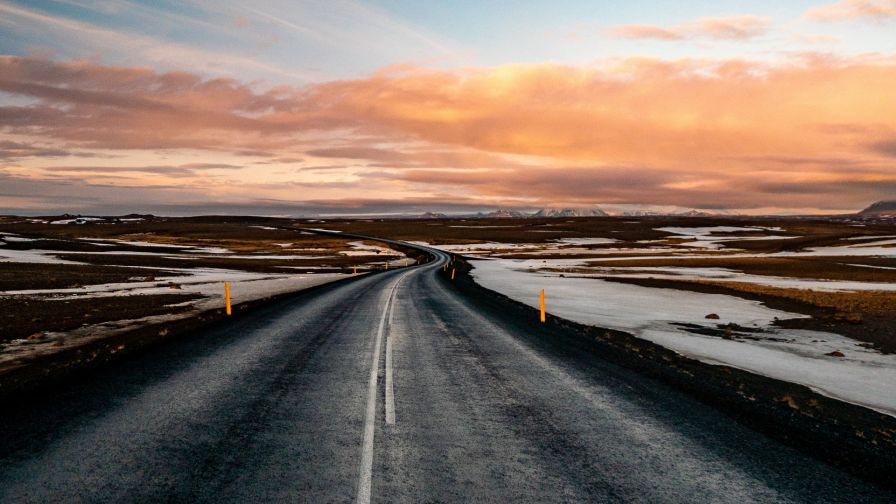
(32, 256)
(585, 241)
(713, 237)
(46, 256)
(560, 246)
(884, 248)
(487, 227)
(200, 281)
(728, 275)
(359, 248)
(863, 376)
(244, 286)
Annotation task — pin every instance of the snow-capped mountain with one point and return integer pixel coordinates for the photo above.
(570, 212)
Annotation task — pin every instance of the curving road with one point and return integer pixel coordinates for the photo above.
(389, 388)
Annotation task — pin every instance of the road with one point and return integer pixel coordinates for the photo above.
(388, 388)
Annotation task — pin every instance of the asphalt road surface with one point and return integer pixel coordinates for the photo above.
(389, 388)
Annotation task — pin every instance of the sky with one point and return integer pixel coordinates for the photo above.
(336, 107)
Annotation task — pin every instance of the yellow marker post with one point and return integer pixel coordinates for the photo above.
(354, 270)
(387, 265)
(227, 296)
(452, 273)
(541, 302)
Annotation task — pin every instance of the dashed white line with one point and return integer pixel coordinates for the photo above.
(366, 476)
(390, 395)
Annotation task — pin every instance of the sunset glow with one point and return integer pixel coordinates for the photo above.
(112, 106)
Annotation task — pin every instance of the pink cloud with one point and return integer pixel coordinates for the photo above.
(686, 132)
(721, 28)
(641, 31)
(851, 9)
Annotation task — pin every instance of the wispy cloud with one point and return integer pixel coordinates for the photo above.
(96, 40)
(739, 27)
(879, 10)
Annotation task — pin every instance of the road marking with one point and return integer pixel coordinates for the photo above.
(390, 395)
(366, 476)
(392, 306)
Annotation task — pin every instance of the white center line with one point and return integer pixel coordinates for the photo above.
(366, 476)
(390, 393)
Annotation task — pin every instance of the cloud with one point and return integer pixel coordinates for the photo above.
(886, 147)
(817, 39)
(880, 10)
(131, 107)
(642, 31)
(93, 39)
(415, 157)
(16, 150)
(740, 27)
(184, 170)
(636, 130)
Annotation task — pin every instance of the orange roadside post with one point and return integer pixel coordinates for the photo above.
(541, 302)
(227, 297)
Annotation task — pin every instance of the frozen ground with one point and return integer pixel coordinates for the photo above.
(727, 275)
(197, 280)
(863, 376)
(713, 237)
(560, 246)
(244, 286)
(361, 248)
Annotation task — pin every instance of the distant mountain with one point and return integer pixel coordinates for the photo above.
(570, 212)
(881, 209)
(544, 212)
(502, 214)
(432, 215)
(698, 213)
(641, 213)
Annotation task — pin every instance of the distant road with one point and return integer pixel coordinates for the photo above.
(389, 388)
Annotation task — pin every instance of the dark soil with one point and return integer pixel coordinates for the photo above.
(826, 268)
(241, 234)
(85, 246)
(336, 263)
(628, 230)
(21, 317)
(22, 276)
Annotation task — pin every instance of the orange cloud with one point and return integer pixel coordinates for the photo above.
(851, 9)
(638, 112)
(690, 132)
(723, 28)
(642, 31)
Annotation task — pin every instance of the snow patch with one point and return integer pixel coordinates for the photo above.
(863, 376)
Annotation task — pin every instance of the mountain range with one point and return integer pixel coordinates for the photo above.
(880, 209)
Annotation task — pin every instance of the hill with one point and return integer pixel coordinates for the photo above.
(881, 209)
(570, 212)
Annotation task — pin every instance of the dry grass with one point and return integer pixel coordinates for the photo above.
(21, 276)
(867, 302)
(825, 268)
(23, 317)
